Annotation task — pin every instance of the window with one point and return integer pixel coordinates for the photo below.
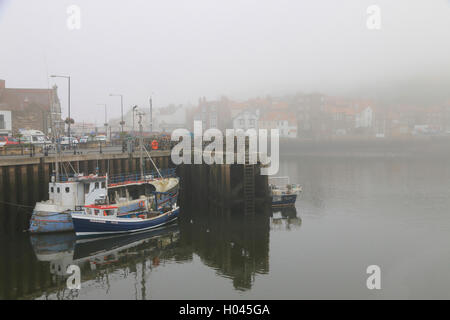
(103, 185)
(2, 121)
(67, 189)
(213, 122)
(96, 211)
(58, 190)
(86, 188)
(52, 189)
(96, 185)
(252, 122)
(109, 212)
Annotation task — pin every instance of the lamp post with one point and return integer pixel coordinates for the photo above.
(134, 110)
(70, 120)
(121, 108)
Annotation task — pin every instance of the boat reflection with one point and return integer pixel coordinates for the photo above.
(62, 250)
(285, 219)
(238, 249)
(57, 249)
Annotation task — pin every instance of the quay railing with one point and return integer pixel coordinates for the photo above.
(127, 178)
(137, 177)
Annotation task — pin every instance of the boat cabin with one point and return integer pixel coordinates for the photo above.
(76, 192)
(128, 193)
(101, 210)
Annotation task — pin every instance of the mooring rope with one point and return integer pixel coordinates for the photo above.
(16, 204)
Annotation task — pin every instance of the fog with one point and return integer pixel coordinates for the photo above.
(177, 51)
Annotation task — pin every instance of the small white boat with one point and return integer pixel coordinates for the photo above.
(282, 192)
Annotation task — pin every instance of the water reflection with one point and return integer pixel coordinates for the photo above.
(34, 267)
(99, 257)
(285, 219)
(237, 249)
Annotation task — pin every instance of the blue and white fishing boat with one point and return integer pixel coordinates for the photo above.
(283, 193)
(106, 219)
(130, 192)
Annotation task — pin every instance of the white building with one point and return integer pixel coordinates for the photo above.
(285, 122)
(5, 123)
(364, 118)
(246, 120)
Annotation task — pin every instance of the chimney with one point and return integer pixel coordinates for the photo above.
(2, 84)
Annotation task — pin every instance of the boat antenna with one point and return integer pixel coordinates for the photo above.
(148, 155)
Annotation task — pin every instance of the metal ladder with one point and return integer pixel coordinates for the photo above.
(249, 187)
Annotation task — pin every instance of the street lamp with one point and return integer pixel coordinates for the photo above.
(134, 110)
(70, 120)
(121, 108)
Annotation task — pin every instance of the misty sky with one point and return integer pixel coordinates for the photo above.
(180, 50)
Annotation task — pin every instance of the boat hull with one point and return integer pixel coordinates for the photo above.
(285, 200)
(85, 225)
(51, 222)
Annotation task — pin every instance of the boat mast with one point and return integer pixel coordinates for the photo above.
(141, 146)
(55, 127)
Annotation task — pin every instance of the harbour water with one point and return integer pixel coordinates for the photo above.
(354, 212)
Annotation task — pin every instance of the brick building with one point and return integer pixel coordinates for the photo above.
(212, 114)
(30, 108)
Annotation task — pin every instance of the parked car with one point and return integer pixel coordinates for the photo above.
(101, 138)
(85, 139)
(35, 137)
(65, 141)
(8, 141)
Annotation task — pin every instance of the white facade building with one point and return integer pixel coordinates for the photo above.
(246, 120)
(5, 123)
(287, 129)
(364, 118)
(285, 122)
